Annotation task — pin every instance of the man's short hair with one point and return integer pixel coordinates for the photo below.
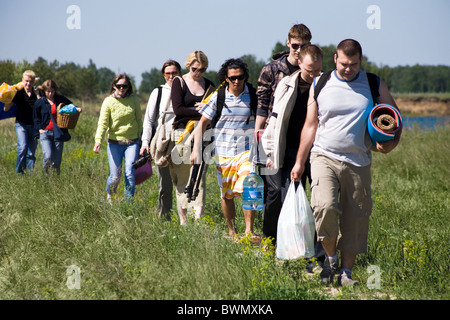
(313, 51)
(300, 31)
(349, 47)
(29, 73)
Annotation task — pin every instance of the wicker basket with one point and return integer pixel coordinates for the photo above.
(66, 121)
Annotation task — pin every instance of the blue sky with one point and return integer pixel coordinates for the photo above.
(134, 36)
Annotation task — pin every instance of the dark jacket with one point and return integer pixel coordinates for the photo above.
(271, 74)
(42, 112)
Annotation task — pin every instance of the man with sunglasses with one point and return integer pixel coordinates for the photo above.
(270, 76)
(284, 64)
(232, 133)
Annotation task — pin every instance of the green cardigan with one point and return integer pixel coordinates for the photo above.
(122, 118)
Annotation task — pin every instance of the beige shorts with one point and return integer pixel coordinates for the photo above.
(181, 175)
(180, 170)
(342, 202)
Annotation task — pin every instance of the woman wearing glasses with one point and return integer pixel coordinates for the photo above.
(121, 116)
(158, 104)
(187, 94)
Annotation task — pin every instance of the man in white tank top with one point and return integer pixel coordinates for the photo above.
(335, 131)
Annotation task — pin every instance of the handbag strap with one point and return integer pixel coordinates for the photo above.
(163, 120)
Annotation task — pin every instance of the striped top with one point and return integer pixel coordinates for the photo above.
(232, 134)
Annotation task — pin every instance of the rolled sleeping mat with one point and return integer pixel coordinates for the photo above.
(383, 122)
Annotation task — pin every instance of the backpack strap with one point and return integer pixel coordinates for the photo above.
(374, 83)
(253, 101)
(158, 102)
(321, 83)
(219, 105)
(221, 101)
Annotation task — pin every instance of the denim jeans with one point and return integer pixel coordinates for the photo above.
(52, 151)
(26, 147)
(116, 154)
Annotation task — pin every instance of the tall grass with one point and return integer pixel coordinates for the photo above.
(124, 251)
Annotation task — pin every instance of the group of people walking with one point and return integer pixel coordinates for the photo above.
(302, 135)
(36, 119)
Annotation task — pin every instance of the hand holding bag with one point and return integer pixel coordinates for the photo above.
(143, 173)
(7, 92)
(295, 233)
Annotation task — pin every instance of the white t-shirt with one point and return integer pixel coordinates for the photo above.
(343, 108)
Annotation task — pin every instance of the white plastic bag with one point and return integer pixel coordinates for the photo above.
(295, 231)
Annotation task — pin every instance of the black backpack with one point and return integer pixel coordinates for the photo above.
(373, 84)
(221, 102)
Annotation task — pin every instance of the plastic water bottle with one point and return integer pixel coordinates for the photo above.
(253, 193)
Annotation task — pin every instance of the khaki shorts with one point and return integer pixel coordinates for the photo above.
(181, 175)
(180, 170)
(342, 202)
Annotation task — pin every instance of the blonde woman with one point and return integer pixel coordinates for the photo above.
(187, 94)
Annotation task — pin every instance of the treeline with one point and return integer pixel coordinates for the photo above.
(74, 81)
(87, 82)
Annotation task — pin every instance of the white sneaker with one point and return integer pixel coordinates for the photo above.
(345, 279)
(108, 198)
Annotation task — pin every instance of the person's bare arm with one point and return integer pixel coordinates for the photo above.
(8, 106)
(386, 97)
(198, 139)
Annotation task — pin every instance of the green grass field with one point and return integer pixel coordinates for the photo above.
(49, 223)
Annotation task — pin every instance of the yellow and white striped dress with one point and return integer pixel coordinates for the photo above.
(232, 137)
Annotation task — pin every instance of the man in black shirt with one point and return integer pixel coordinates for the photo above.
(290, 103)
(26, 134)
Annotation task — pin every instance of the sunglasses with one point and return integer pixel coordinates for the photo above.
(296, 46)
(121, 86)
(201, 70)
(168, 74)
(234, 78)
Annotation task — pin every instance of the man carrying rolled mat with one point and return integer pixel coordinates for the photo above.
(336, 129)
